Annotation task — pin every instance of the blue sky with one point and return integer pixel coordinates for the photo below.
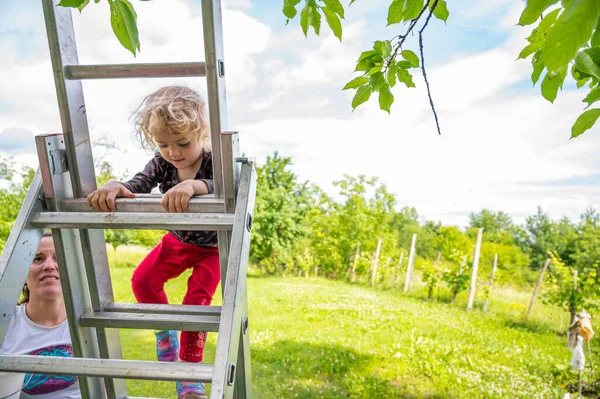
(503, 146)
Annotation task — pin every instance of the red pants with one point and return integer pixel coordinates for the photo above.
(168, 260)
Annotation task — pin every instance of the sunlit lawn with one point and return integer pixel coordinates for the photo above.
(317, 338)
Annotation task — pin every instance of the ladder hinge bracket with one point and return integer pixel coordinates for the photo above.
(249, 222)
(59, 161)
(221, 68)
(245, 325)
(231, 374)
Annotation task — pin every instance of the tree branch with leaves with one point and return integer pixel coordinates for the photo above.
(388, 62)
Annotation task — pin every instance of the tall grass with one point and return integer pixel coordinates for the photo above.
(318, 338)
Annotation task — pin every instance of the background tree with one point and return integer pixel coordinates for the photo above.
(281, 205)
(12, 197)
(571, 289)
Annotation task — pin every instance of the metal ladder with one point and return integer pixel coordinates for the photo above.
(66, 176)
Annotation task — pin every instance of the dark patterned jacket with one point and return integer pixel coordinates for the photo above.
(164, 174)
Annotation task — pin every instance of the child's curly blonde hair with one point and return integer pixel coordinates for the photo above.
(177, 108)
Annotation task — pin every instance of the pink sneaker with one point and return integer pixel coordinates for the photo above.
(190, 390)
(167, 346)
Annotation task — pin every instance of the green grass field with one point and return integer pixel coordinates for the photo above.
(317, 338)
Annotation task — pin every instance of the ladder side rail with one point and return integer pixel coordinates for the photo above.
(71, 105)
(70, 260)
(231, 174)
(233, 308)
(19, 252)
(63, 52)
(230, 148)
(243, 373)
(215, 82)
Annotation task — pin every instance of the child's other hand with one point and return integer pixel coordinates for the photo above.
(103, 199)
(176, 199)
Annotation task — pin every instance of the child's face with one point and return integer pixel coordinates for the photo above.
(181, 150)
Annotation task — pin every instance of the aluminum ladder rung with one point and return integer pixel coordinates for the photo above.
(148, 203)
(113, 368)
(134, 220)
(150, 321)
(170, 309)
(115, 71)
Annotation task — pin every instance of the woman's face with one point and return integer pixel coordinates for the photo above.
(43, 279)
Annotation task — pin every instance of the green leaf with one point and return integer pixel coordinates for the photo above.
(377, 80)
(582, 82)
(365, 64)
(404, 64)
(289, 8)
(405, 77)
(304, 19)
(362, 94)
(333, 21)
(123, 20)
(411, 57)
(395, 12)
(585, 122)
(538, 66)
(386, 98)
(528, 50)
(592, 97)
(585, 64)
(71, 3)
(314, 17)
(375, 69)
(82, 6)
(594, 53)
(383, 48)
(367, 54)
(412, 8)
(539, 33)
(356, 82)
(533, 10)
(336, 6)
(577, 74)
(571, 31)
(552, 82)
(566, 3)
(595, 42)
(441, 10)
(391, 77)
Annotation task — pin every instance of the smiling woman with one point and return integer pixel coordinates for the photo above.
(39, 327)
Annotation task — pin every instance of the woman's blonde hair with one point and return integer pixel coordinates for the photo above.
(179, 109)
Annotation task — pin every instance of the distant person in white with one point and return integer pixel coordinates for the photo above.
(39, 327)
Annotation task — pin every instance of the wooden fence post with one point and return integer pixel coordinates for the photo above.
(485, 304)
(473, 286)
(411, 261)
(353, 276)
(398, 269)
(375, 261)
(537, 287)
